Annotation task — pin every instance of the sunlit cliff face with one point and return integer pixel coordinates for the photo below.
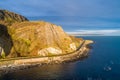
(41, 39)
(20, 38)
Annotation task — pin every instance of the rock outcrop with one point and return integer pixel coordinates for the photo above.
(21, 38)
(5, 40)
(8, 18)
(40, 39)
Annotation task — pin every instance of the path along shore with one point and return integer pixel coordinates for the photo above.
(7, 66)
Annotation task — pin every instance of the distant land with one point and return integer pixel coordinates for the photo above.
(86, 34)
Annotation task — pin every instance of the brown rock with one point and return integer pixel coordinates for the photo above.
(38, 38)
(8, 18)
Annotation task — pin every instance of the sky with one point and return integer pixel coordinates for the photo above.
(77, 14)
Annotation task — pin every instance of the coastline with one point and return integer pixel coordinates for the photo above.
(21, 64)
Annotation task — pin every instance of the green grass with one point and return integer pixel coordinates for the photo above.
(3, 54)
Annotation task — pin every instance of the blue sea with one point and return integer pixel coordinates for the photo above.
(103, 63)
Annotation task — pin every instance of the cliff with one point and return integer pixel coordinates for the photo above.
(21, 38)
(7, 18)
(25, 44)
(40, 39)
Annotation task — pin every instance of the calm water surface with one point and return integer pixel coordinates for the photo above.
(103, 63)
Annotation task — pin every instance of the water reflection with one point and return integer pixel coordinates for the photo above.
(57, 71)
(105, 54)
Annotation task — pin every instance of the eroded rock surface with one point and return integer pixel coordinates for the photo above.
(40, 39)
(21, 38)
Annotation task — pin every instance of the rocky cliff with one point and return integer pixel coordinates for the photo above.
(7, 18)
(40, 39)
(20, 38)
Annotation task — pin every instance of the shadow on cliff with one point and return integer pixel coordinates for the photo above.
(5, 39)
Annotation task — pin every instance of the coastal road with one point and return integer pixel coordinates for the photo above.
(82, 45)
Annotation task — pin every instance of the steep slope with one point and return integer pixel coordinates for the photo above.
(8, 18)
(40, 39)
(19, 37)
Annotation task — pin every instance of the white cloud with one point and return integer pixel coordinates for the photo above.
(92, 32)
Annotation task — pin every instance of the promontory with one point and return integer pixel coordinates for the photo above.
(26, 43)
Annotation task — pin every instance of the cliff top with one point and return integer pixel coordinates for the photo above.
(21, 38)
(8, 18)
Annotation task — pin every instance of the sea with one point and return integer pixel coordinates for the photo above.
(102, 63)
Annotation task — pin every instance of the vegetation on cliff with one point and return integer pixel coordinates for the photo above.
(8, 18)
(21, 38)
(41, 39)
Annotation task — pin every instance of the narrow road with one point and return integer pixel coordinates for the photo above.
(81, 45)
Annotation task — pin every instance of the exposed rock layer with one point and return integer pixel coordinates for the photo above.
(41, 39)
(20, 38)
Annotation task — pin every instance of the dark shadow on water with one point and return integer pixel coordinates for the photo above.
(48, 72)
(44, 72)
(89, 46)
(5, 39)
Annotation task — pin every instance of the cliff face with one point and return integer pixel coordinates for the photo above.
(19, 38)
(40, 39)
(6, 19)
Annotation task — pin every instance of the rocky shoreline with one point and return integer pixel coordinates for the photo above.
(25, 44)
(14, 65)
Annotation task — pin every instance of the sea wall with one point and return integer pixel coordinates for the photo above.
(20, 64)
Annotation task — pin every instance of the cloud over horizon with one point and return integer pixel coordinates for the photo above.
(106, 32)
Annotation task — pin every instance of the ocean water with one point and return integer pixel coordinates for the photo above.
(103, 63)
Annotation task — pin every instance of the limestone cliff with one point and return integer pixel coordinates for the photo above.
(21, 38)
(40, 39)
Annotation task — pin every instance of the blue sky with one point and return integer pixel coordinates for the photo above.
(83, 8)
(90, 14)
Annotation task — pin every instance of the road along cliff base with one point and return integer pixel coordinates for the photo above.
(26, 43)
